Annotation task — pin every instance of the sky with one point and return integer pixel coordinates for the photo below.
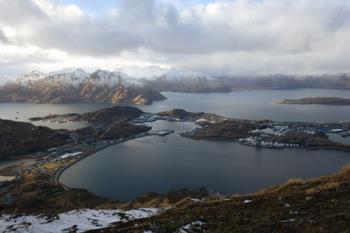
(219, 37)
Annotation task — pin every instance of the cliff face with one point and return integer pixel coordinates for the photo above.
(98, 87)
(19, 138)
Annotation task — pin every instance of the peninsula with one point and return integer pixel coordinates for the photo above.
(317, 100)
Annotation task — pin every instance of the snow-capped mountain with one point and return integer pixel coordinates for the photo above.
(128, 75)
(140, 85)
(67, 86)
(173, 79)
(30, 77)
(107, 78)
(69, 77)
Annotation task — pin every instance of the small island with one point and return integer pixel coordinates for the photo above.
(316, 100)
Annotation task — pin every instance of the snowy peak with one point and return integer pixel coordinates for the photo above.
(107, 78)
(127, 76)
(35, 75)
(30, 77)
(76, 73)
(68, 77)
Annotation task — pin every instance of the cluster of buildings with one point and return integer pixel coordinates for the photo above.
(281, 128)
(77, 150)
(259, 142)
(266, 134)
(151, 117)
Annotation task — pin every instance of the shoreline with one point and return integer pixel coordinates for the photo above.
(56, 163)
(58, 174)
(56, 178)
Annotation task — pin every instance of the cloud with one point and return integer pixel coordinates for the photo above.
(283, 36)
(3, 37)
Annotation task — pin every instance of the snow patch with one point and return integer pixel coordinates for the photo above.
(79, 220)
(247, 201)
(30, 77)
(70, 155)
(68, 77)
(194, 226)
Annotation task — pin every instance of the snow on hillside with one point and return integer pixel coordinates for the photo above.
(128, 75)
(74, 221)
(30, 77)
(107, 78)
(73, 77)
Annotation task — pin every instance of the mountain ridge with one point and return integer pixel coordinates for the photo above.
(101, 86)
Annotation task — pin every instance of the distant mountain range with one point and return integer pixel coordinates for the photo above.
(70, 86)
(139, 85)
(143, 85)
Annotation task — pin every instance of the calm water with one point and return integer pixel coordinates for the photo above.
(23, 111)
(157, 164)
(257, 105)
(239, 104)
(338, 138)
